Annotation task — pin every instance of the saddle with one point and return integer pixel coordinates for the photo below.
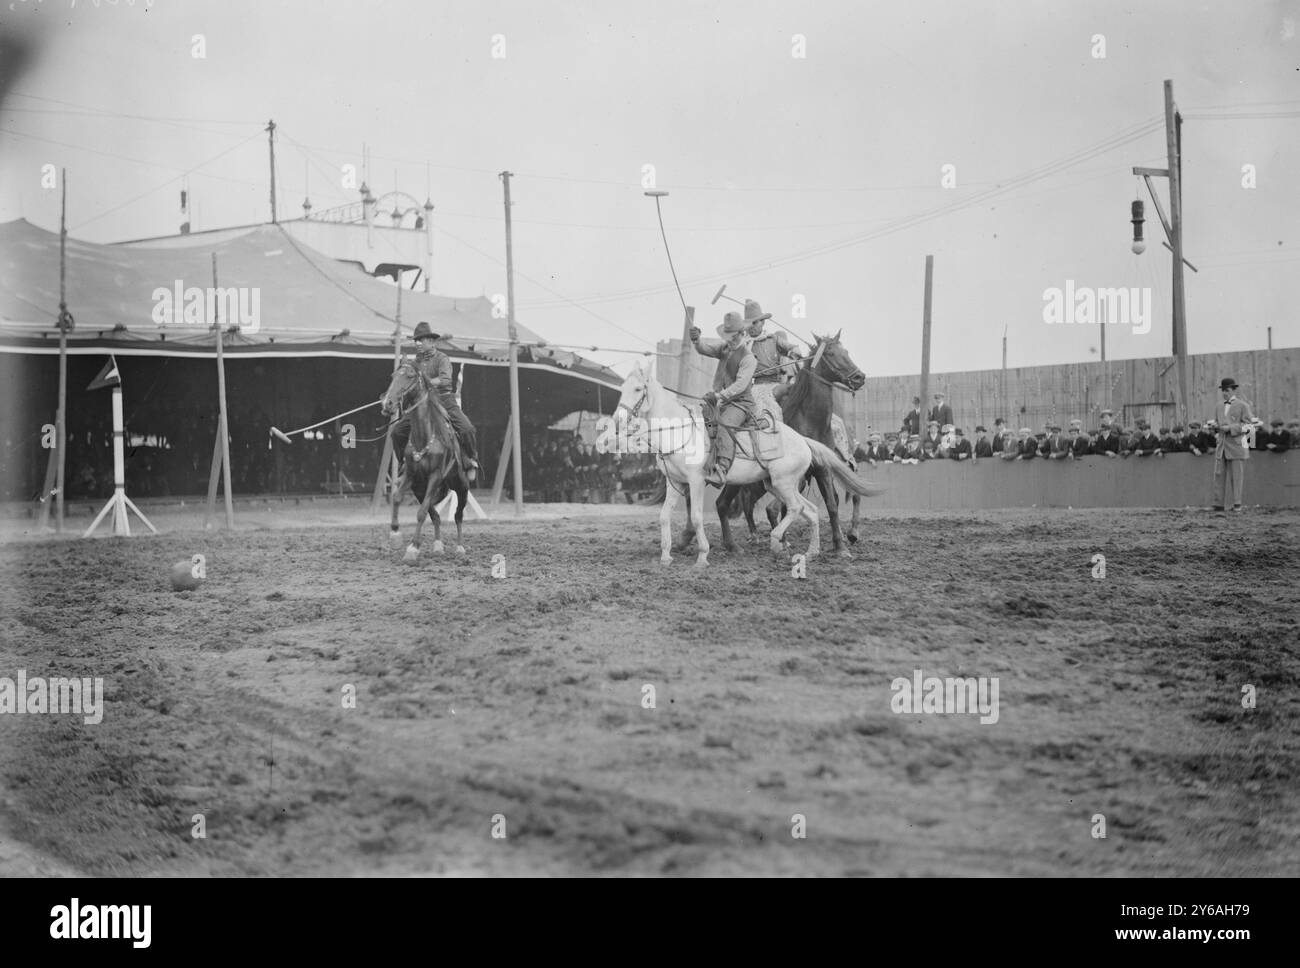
(764, 434)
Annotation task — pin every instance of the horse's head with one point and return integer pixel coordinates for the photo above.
(835, 364)
(635, 391)
(406, 383)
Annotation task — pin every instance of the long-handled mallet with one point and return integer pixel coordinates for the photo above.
(283, 435)
(720, 295)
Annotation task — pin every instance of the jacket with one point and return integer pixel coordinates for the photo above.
(1232, 417)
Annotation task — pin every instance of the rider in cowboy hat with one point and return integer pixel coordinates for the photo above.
(731, 400)
(770, 350)
(436, 367)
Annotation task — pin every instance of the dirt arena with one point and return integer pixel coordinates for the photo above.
(522, 697)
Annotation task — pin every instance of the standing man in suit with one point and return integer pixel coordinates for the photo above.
(1230, 453)
(940, 413)
(912, 420)
(1001, 436)
(983, 447)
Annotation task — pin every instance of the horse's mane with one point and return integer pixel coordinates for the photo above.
(802, 386)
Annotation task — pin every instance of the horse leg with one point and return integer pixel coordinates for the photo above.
(723, 504)
(413, 549)
(853, 525)
(688, 535)
(399, 494)
(666, 523)
(777, 538)
(697, 519)
(461, 501)
(748, 501)
(814, 520)
(832, 502)
(436, 495)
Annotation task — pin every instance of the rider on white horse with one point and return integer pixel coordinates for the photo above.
(731, 398)
(770, 350)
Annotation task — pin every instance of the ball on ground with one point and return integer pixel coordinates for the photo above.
(183, 579)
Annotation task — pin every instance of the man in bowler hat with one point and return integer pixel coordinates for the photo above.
(1230, 453)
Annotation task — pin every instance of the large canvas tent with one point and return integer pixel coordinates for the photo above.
(322, 342)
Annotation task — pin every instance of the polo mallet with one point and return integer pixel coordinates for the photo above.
(284, 436)
(720, 295)
(689, 310)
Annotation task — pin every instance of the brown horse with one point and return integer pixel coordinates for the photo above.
(431, 464)
(806, 408)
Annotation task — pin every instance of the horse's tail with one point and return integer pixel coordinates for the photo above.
(824, 457)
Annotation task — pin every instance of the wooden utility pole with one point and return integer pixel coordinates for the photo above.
(270, 129)
(1173, 143)
(1003, 395)
(1173, 227)
(58, 459)
(221, 448)
(515, 438)
(925, 338)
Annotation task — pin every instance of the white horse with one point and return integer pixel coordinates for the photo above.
(678, 437)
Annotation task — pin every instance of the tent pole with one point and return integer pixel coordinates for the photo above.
(61, 415)
(389, 461)
(516, 446)
(503, 463)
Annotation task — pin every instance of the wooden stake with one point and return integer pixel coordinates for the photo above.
(516, 439)
(925, 342)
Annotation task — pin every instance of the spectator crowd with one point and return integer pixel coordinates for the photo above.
(939, 438)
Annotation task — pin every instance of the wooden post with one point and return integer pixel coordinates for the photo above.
(59, 457)
(1173, 144)
(506, 445)
(221, 452)
(925, 340)
(1003, 394)
(683, 357)
(516, 446)
(270, 130)
(388, 463)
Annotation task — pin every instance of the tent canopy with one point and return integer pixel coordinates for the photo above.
(306, 303)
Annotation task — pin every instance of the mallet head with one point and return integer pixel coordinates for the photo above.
(718, 295)
(655, 194)
(283, 436)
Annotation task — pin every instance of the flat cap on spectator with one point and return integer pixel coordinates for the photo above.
(1000, 420)
(1195, 425)
(959, 432)
(912, 437)
(1178, 429)
(1164, 430)
(1076, 422)
(933, 423)
(1026, 431)
(981, 429)
(1056, 428)
(1108, 413)
(1277, 423)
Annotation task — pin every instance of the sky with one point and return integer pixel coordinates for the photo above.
(787, 175)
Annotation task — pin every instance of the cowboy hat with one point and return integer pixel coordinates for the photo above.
(422, 330)
(731, 325)
(1227, 383)
(754, 313)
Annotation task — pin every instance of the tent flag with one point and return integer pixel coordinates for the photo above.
(108, 376)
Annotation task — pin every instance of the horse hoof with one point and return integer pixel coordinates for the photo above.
(412, 553)
(666, 560)
(845, 554)
(702, 561)
(853, 537)
(460, 549)
(776, 546)
(730, 546)
(437, 547)
(395, 538)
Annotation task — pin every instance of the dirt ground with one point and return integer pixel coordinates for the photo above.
(522, 697)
